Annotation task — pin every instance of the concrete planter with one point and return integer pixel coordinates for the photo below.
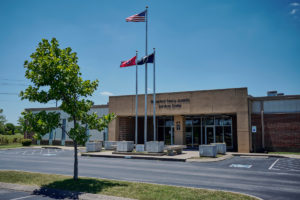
(139, 148)
(208, 150)
(93, 146)
(110, 145)
(155, 146)
(125, 146)
(221, 147)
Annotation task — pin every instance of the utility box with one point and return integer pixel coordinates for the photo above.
(155, 146)
(221, 148)
(208, 150)
(125, 146)
(93, 146)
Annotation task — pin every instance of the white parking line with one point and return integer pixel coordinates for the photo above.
(22, 197)
(273, 164)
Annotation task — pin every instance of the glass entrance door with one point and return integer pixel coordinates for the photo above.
(209, 134)
(169, 135)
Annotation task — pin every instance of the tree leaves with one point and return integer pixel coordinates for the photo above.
(55, 75)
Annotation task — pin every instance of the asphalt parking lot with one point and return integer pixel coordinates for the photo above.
(6, 194)
(253, 163)
(259, 163)
(37, 152)
(265, 177)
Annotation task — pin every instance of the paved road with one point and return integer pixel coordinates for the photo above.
(268, 178)
(6, 194)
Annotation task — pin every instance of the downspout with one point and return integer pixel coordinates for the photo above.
(250, 124)
(262, 124)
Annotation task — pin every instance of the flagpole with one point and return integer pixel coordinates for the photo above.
(146, 86)
(154, 99)
(136, 99)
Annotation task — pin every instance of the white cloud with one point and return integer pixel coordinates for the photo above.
(105, 93)
(293, 11)
(295, 4)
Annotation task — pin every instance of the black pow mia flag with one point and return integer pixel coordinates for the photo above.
(146, 59)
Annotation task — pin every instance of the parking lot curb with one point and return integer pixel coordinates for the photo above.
(134, 157)
(58, 193)
(262, 155)
(45, 147)
(228, 156)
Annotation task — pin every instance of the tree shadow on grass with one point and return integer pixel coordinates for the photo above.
(71, 189)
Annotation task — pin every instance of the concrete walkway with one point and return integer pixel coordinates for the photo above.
(186, 156)
(58, 194)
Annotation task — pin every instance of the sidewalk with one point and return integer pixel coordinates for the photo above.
(58, 194)
(186, 156)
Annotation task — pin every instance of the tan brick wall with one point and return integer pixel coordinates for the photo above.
(225, 101)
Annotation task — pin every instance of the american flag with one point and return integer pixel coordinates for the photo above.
(141, 17)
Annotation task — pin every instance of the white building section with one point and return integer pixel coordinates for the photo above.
(57, 136)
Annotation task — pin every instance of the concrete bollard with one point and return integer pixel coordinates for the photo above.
(93, 146)
(139, 148)
(110, 145)
(221, 148)
(125, 146)
(208, 150)
(155, 146)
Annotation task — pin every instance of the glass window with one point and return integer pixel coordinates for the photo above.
(196, 121)
(188, 122)
(209, 121)
(196, 135)
(188, 138)
(161, 122)
(228, 136)
(219, 121)
(227, 121)
(168, 123)
(188, 129)
(219, 134)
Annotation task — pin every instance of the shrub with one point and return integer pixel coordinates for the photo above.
(8, 139)
(26, 142)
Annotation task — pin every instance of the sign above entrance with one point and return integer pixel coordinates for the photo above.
(171, 103)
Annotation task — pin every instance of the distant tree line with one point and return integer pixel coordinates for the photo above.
(10, 128)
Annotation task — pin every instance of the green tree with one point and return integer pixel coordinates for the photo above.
(2, 121)
(10, 128)
(56, 75)
(21, 127)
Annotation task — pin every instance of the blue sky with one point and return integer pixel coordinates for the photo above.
(200, 44)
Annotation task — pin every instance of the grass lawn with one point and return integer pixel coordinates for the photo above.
(13, 145)
(114, 188)
(293, 153)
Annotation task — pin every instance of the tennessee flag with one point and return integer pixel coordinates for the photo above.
(129, 62)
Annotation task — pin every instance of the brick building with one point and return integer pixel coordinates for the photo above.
(243, 122)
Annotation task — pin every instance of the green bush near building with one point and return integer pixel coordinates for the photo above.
(26, 142)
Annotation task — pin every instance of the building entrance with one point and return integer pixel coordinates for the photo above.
(165, 129)
(209, 134)
(209, 129)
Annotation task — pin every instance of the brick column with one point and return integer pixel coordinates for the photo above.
(243, 132)
(179, 130)
(113, 130)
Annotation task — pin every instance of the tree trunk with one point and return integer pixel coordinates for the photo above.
(75, 175)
